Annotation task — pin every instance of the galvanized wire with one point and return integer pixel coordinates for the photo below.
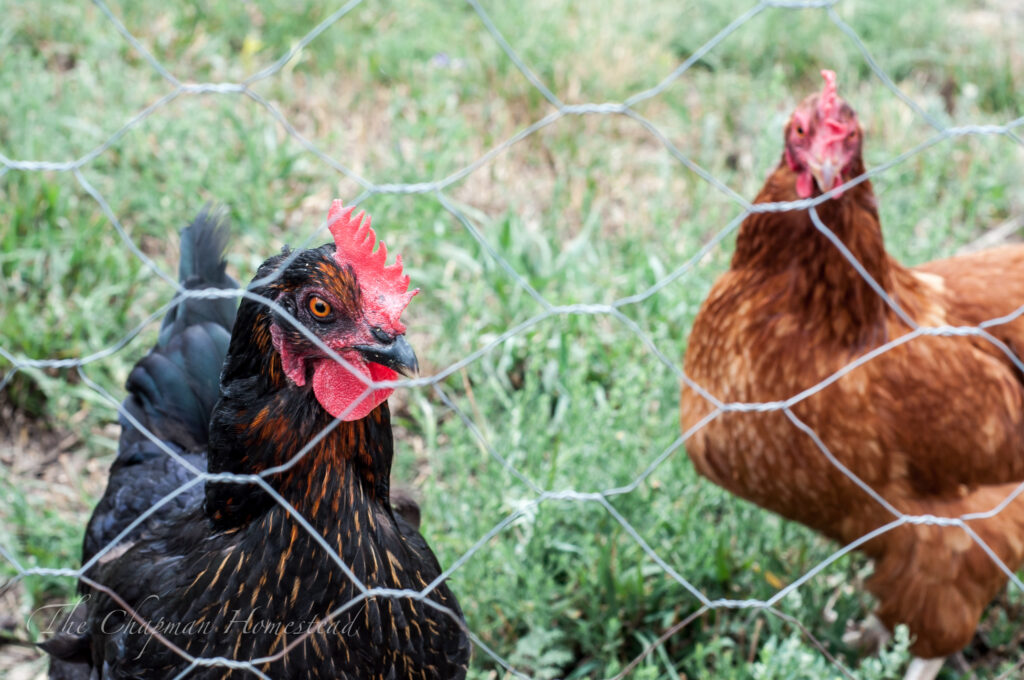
(436, 190)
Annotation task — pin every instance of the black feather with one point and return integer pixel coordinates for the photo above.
(202, 266)
(69, 648)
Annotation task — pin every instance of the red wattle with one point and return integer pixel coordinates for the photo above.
(336, 388)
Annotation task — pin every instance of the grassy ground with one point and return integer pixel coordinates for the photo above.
(588, 209)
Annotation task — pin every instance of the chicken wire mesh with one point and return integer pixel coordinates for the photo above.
(436, 190)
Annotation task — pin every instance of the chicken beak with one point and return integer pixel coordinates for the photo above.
(824, 173)
(394, 353)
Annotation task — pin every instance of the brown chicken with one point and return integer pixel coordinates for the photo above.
(933, 424)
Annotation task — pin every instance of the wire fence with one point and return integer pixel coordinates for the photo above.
(436, 190)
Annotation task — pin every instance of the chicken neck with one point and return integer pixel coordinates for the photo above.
(263, 421)
(786, 252)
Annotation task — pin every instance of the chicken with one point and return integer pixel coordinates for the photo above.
(228, 569)
(934, 424)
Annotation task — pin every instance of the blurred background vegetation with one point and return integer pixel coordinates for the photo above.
(587, 209)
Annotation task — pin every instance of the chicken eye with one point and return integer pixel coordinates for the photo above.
(318, 307)
(799, 130)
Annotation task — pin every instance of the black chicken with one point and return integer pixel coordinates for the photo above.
(226, 570)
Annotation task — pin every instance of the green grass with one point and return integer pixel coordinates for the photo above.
(587, 210)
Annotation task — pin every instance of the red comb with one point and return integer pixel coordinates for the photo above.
(385, 289)
(828, 103)
(833, 130)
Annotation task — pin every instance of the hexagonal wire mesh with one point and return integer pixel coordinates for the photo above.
(437, 189)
